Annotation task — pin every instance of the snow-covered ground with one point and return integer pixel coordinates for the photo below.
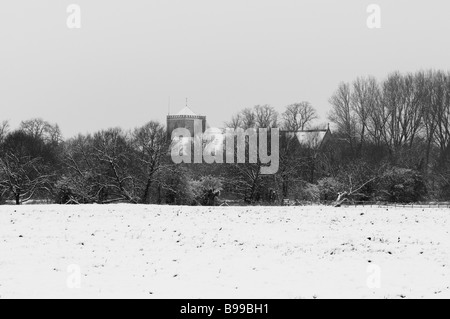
(228, 252)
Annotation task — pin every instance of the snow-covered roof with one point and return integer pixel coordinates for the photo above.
(313, 138)
(186, 111)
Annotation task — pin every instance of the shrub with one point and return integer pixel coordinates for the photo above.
(401, 185)
(310, 193)
(206, 190)
(73, 190)
(329, 188)
(177, 187)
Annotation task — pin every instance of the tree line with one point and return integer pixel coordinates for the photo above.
(399, 127)
(390, 142)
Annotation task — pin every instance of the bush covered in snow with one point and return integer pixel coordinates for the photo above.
(310, 193)
(207, 190)
(401, 185)
(329, 188)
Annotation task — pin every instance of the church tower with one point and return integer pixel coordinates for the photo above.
(186, 118)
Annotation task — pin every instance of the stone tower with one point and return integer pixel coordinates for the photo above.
(186, 118)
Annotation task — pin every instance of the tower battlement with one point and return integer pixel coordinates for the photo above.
(187, 119)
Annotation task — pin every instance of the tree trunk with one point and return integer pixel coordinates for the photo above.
(145, 199)
(313, 170)
(341, 199)
(18, 199)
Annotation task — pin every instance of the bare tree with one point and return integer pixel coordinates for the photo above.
(246, 179)
(299, 116)
(248, 119)
(4, 130)
(151, 145)
(442, 109)
(235, 123)
(99, 168)
(266, 116)
(81, 182)
(433, 102)
(114, 154)
(260, 116)
(23, 170)
(364, 99)
(353, 191)
(404, 98)
(38, 128)
(23, 177)
(342, 114)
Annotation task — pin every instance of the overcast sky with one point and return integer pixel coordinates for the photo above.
(130, 56)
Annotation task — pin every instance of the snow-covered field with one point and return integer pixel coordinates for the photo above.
(228, 252)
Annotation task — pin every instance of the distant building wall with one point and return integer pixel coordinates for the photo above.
(185, 121)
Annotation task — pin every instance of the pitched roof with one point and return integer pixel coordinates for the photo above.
(313, 138)
(186, 111)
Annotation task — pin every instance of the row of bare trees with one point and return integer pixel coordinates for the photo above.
(396, 113)
(296, 117)
(28, 160)
(117, 166)
(403, 120)
(297, 162)
(108, 166)
(391, 141)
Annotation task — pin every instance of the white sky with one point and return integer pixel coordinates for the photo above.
(120, 68)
